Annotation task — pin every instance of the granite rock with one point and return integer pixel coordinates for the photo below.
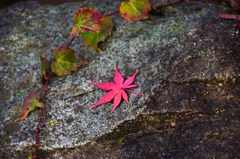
(188, 61)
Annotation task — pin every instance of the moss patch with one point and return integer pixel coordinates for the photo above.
(178, 26)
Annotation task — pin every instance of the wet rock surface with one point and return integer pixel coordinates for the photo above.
(188, 61)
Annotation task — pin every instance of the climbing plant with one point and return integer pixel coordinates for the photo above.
(93, 28)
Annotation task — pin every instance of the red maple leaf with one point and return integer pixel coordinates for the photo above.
(116, 90)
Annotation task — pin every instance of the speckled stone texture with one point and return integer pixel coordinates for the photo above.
(188, 61)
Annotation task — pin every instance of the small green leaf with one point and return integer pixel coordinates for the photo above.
(135, 9)
(44, 64)
(65, 61)
(30, 157)
(87, 21)
(30, 103)
(93, 39)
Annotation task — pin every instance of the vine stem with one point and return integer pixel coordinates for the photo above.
(37, 129)
(156, 7)
(164, 5)
(71, 41)
(112, 13)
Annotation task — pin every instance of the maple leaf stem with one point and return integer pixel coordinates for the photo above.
(112, 13)
(71, 41)
(133, 92)
(164, 5)
(37, 129)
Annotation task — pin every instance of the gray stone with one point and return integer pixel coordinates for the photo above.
(188, 61)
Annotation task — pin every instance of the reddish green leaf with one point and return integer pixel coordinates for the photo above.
(87, 21)
(116, 89)
(30, 103)
(234, 3)
(135, 9)
(228, 16)
(65, 61)
(93, 39)
(44, 64)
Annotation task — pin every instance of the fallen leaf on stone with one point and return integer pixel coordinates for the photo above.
(44, 64)
(30, 103)
(116, 89)
(135, 9)
(66, 61)
(93, 39)
(87, 21)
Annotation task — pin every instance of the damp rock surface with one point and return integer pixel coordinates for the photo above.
(188, 70)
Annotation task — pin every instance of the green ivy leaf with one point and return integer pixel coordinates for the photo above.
(135, 9)
(65, 61)
(87, 21)
(30, 103)
(44, 64)
(93, 39)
